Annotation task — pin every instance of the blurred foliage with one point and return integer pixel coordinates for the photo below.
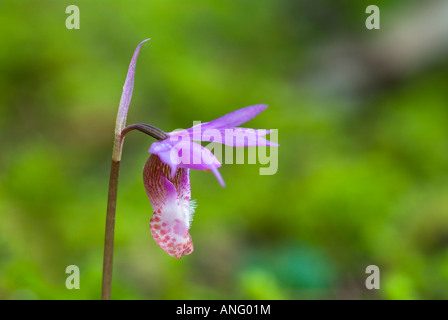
(361, 178)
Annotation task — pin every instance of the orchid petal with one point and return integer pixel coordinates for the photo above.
(186, 154)
(197, 157)
(238, 137)
(232, 119)
(170, 200)
(163, 150)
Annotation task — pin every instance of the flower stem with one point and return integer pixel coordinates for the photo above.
(146, 128)
(112, 200)
(110, 228)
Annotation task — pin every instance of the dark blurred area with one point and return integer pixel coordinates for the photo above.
(362, 117)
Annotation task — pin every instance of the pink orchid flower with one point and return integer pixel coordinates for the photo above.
(166, 174)
(167, 177)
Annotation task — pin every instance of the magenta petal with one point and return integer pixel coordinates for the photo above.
(233, 119)
(163, 150)
(186, 154)
(258, 132)
(195, 156)
(127, 91)
(165, 157)
(238, 137)
(170, 200)
(242, 137)
(218, 176)
(161, 146)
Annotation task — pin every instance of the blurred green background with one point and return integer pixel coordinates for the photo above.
(362, 118)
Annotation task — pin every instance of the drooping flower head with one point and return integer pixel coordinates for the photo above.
(166, 173)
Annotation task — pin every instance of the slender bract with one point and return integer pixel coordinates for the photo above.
(125, 101)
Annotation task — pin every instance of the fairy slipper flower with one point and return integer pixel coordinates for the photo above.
(166, 174)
